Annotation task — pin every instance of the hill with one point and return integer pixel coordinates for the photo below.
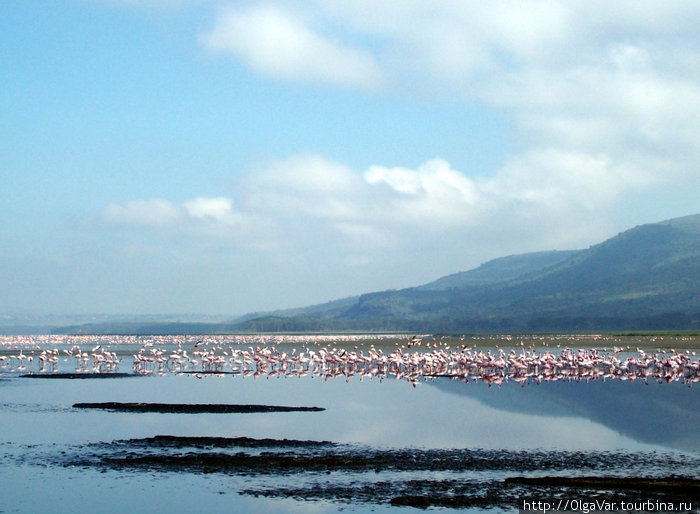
(612, 403)
(646, 278)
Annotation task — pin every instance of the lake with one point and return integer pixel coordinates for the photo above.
(430, 440)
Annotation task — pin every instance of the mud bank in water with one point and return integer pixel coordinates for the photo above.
(187, 408)
(79, 375)
(352, 474)
(181, 442)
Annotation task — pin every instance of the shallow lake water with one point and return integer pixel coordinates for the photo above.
(379, 441)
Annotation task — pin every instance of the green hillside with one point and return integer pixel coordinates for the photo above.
(646, 278)
(500, 270)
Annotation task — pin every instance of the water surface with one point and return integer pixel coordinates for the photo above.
(377, 440)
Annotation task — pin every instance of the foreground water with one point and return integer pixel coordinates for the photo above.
(379, 443)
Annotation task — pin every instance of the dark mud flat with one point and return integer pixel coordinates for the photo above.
(685, 486)
(464, 493)
(180, 442)
(79, 375)
(385, 476)
(323, 456)
(187, 408)
(401, 492)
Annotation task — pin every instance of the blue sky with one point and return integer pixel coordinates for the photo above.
(226, 157)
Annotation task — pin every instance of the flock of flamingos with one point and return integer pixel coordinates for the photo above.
(411, 358)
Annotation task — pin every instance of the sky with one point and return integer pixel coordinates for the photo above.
(221, 157)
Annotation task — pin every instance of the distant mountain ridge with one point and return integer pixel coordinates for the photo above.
(646, 278)
(500, 270)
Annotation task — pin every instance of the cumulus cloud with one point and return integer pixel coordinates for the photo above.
(559, 179)
(212, 209)
(280, 43)
(154, 212)
(434, 194)
(604, 98)
(309, 197)
(209, 214)
(305, 184)
(305, 217)
(612, 79)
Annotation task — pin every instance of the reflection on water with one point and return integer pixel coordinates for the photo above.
(648, 412)
(383, 440)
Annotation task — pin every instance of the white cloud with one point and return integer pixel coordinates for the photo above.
(618, 79)
(213, 209)
(561, 179)
(433, 195)
(279, 43)
(201, 214)
(311, 198)
(604, 98)
(364, 235)
(154, 212)
(310, 185)
(308, 217)
(313, 187)
(307, 174)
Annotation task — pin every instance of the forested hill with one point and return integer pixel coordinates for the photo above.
(646, 278)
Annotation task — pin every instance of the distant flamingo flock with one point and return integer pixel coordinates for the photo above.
(323, 356)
